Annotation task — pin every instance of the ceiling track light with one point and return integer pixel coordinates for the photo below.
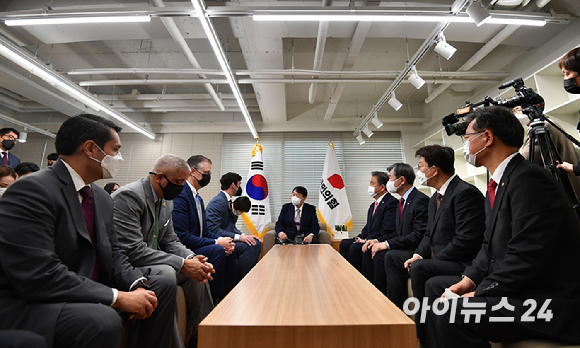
(23, 136)
(444, 49)
(360, 139)
(394, 103)
(30, 64)
(77, 20)
(221, 57)
(415, 79)
(375, 120)
(477, 12)
(367, 131)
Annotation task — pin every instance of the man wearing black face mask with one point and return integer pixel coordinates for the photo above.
(221, 220)
(9, 138)
(144, 226)
(190, 224)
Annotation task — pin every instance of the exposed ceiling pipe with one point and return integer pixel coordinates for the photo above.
(21, 106)
(188, 109)
(319, 52)
(26, 125)
(476, 58)
(180, 41)
(286, 72)
(169, 96)
(145, 82)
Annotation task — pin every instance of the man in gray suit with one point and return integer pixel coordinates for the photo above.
(62, 273)
(142, 216)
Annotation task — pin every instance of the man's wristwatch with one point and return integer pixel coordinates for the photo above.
(142, 283)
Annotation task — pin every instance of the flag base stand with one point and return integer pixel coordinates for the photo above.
(340, 235)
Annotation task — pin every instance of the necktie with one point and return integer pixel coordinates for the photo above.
(401, 207)
(88, 207)
(491, 192)
(297, 219)
(199, 214)
(5, 157)
(375, 209)
(156, 230)
(439, 198)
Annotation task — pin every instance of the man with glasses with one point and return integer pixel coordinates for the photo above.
(144, 225)
(454, 233)
(190, 224)
(9, 139)
(222, 218)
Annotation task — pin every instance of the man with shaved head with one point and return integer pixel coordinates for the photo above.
(142, 216)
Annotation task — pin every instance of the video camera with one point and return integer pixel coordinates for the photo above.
(531, 102)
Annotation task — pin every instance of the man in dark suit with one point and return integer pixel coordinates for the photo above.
(143, 221)
(411, 221)
(454, 233)
(530, 250)
(9, 138)
(222, 218)
(380, 223)
(298, 218)
(190, 224)
(62, 272)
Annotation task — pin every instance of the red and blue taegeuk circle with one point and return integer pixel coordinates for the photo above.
(257, 187)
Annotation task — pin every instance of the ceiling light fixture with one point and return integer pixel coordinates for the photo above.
(360, 139)
(375, 120)
(367, 130)
(444, 49)
(28, 63)
(394, 103)
(76, 20)
(477, 12)
(221, 57)
(348, 16)
(415, 79)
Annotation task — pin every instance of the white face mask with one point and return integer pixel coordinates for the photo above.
(372, 192)
(422, 177)
(2, 190)
(523, 118)
(391, 186)
(110, 165)
(296, 201)
(469, 157)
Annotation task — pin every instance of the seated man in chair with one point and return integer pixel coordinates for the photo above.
(297, 221)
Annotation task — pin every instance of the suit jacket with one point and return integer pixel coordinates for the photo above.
(13, 161)
(455, 231)
(135, 223)
(46, 254)
(411, 226)
(186, 222)
(220, 218)
(308, 220)
(531, 247)
(381, 225)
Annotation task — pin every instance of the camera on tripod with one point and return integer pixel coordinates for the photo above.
(454, 123)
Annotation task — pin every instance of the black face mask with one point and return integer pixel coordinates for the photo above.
(569, 86)
(205, 179)
(171, 190)
(8, 144)
(239, 191)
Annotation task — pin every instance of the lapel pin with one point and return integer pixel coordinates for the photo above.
(163, 204)
(503, 184)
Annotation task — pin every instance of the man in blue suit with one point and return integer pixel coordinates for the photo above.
(380, 221)
(9, 138)
(190, 224)
(222, 218)
(298, 218)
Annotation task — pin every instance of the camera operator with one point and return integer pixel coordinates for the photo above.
(564, 147)
(570, 66)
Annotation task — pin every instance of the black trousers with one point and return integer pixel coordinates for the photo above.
(352, 252)
(21, 339)
(442, 333)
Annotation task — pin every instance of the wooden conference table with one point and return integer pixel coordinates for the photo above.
(306, 296)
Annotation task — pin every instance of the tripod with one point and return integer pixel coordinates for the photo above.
(549, 153)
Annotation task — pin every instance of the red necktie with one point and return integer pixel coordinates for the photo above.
(401, 207)
(5, 157)
(88, 206)
(491, 192)
(376, 203)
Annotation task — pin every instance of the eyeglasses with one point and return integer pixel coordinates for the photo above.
(207, 173)
(10, 137)
(464, 139)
